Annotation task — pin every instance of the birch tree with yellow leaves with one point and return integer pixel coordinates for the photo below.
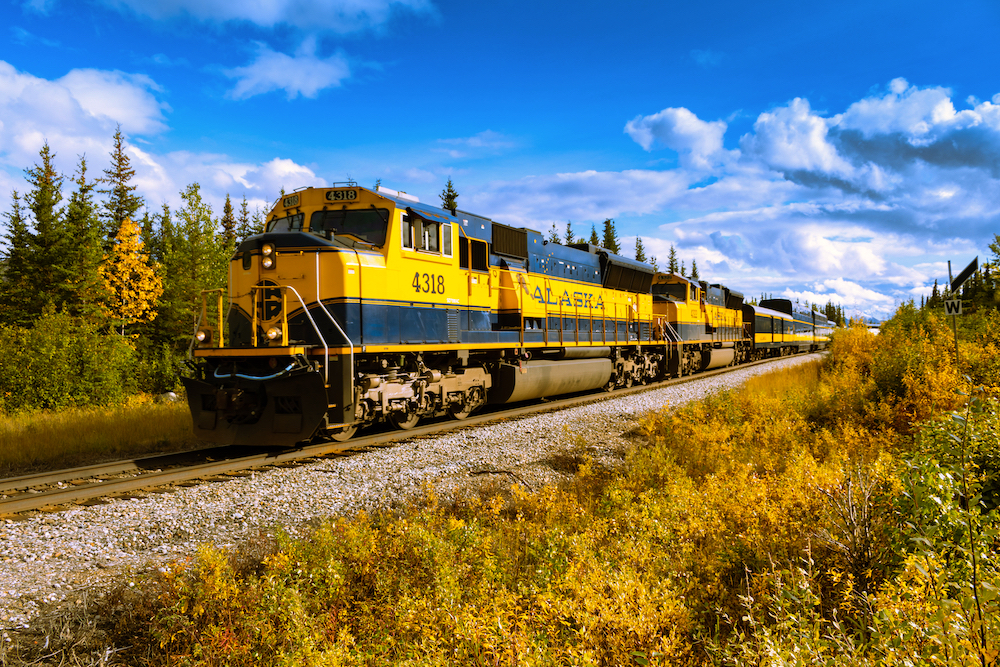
(131, 279)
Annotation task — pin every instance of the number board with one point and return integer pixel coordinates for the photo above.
(291, 200)
(341, 195)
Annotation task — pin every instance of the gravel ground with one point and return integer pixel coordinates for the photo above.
(48, 557)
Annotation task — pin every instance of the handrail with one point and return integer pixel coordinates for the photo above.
(284, 322)
(335, 323)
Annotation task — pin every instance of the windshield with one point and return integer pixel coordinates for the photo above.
(291, 223)
(367, 224)
(671, 289)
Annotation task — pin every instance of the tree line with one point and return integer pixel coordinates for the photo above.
(97, 294)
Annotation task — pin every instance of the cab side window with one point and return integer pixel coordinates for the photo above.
(407, 232)
(428, 234)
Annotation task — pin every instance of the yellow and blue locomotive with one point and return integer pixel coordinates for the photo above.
(358, 306)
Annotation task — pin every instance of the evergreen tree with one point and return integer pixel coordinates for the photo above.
(50, 244)
(694, 270)
(195, 259)
(449, 196)
(570, 238)
(17, 291)
(594, 240)
(935, 299)
(228, 223)
(652, 260)
(683, 270)
(378, 184)
(131, 281)
(122, 200)
(84, 288)
(258, 222)
(640, 251)
(554, 235)
(611, 237)
(672, 265)
(243, 229)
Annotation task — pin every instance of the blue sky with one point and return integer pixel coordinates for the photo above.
(820, 151)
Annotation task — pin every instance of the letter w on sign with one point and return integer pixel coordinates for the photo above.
(953, 307)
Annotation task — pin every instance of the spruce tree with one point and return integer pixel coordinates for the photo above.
(195, 259)
(652, 260)
(84, 289)
(672, 265)
(594, 239)
(243, 229)
(554, 235)
(570, 238)
(640, 251)
(449, 197)
(611, 237)
(122, 201)
(17, 291)
(694, 270)
(683, 270)
(228, 223)
(50, 244)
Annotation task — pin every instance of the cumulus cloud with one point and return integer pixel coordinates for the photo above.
(794, 138)
(341, 16)
(302, 74)
(699, 143)
(538, 201)
(77, 113)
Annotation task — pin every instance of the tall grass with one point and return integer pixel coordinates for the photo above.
(33, 441)
(815, 516)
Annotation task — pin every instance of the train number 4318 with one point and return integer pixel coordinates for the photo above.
(428, 282)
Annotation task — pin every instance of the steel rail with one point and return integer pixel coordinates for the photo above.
(53, 498)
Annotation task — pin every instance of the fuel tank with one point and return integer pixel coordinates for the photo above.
(548, 378)
(717, 358)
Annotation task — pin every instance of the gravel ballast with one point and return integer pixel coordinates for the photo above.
(50, 556)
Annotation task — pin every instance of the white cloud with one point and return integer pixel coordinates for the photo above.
(698, 142)
(302, 74)
(538, 201)
(794, 138)
(341, 16)
(118, 97)
(485, 142)
(77, 113)
(908, 110)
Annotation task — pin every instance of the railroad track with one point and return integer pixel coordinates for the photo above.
(62, 489)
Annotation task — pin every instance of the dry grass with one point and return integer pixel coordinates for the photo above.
(52, 440)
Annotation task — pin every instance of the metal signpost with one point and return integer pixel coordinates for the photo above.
(953, 307)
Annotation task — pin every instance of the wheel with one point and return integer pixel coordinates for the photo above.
(344, 433)
(459, 413)
(404, 421)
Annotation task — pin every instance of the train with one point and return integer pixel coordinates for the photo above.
(359, 306)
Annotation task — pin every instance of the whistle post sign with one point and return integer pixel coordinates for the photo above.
(953, 307)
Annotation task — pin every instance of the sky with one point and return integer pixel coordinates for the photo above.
(838, 152)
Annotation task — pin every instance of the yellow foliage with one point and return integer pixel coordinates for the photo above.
(130, 278)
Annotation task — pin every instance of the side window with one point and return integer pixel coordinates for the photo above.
(429, 239)
(463, 252)
(694, 293)
(406, 228)
(480, 256)
(446, 239)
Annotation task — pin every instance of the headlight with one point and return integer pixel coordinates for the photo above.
(267, 262)
(203, 336)
(274, 333)
(267, 250)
